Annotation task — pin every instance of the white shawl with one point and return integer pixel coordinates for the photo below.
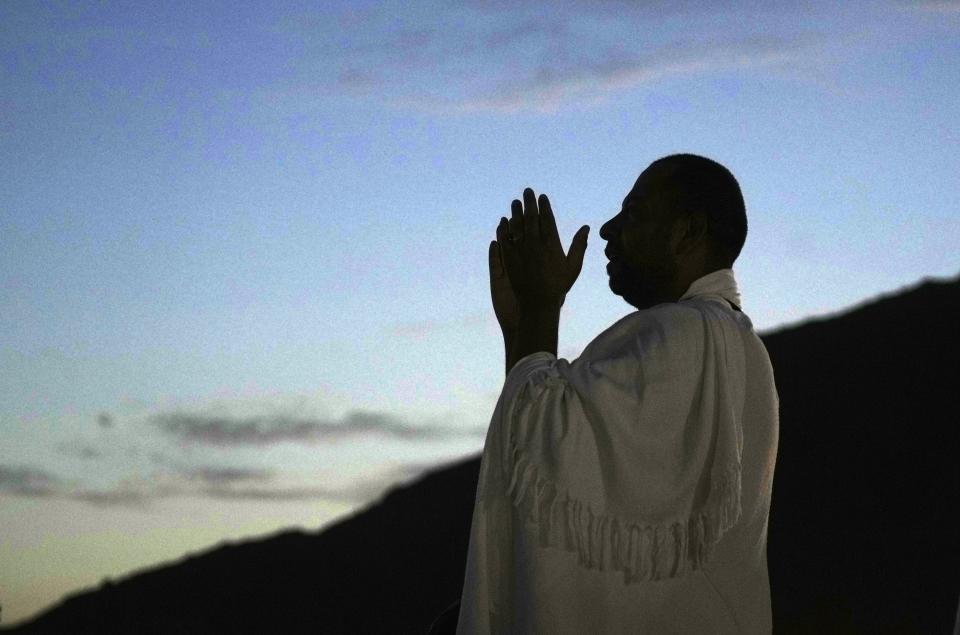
(629, 456)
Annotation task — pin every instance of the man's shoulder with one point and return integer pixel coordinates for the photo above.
(662, 324)
(671, 316)
(686, 320)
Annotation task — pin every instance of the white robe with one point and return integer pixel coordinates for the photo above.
(629, 491)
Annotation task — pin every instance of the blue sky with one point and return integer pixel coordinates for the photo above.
(243, 249)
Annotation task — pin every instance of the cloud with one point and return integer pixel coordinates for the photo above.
(358, 80)
(79, 450)
(272, 429)
(226, 475)
(626, 9)
(110, 498)
(553, 29)
(939, 6)
(524, 57)
(214, 482)
(284, 494)
(104, 420)
(27, 481)
(561, 82)
(30, 482)
(361, 491)
(160, 474)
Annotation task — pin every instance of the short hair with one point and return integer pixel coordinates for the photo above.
(692, 183)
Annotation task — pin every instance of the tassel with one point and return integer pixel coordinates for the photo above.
(641, 552)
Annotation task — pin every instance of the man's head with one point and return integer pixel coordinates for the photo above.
(684, 218)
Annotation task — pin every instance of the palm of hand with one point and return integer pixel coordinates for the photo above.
(532, 257)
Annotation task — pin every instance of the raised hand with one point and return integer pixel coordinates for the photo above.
(540, 274)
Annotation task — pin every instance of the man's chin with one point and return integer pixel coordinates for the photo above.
(618, 287)
(632, 296)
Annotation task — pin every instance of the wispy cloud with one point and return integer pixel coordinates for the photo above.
(127, 475)
(361, 491)
(578, 53)
(358, 80)
(80, 451)
(30, 482)
(560, 82)
(120, 497)
(271, 429)
(933, 6)
(214, 482)
(27, 481)
(226, 475)
(553, 29)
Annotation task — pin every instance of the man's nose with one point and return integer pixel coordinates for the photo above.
(608, 230)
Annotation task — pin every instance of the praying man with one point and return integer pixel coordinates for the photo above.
(628, 490)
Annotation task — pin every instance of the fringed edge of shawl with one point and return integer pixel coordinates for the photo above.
(643, 552)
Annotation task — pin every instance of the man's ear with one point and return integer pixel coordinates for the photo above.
(689, 231)
(698, 224)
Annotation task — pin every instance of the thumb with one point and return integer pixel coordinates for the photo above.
(578, 248)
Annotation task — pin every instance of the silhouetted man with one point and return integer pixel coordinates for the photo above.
(628, 490)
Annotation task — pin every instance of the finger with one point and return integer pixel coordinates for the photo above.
(516, 219)
(508, 257)
(548, 224)
(493, 257)
(531, 217)
(578, 248)
(503, 239)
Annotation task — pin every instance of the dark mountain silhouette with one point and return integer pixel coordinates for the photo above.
(861, 536)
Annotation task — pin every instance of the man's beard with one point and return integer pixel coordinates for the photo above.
(644, 288)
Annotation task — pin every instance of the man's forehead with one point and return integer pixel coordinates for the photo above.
(638, 191)
(645, 186)
(633, 197)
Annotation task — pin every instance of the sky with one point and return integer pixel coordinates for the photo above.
(243, 247)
